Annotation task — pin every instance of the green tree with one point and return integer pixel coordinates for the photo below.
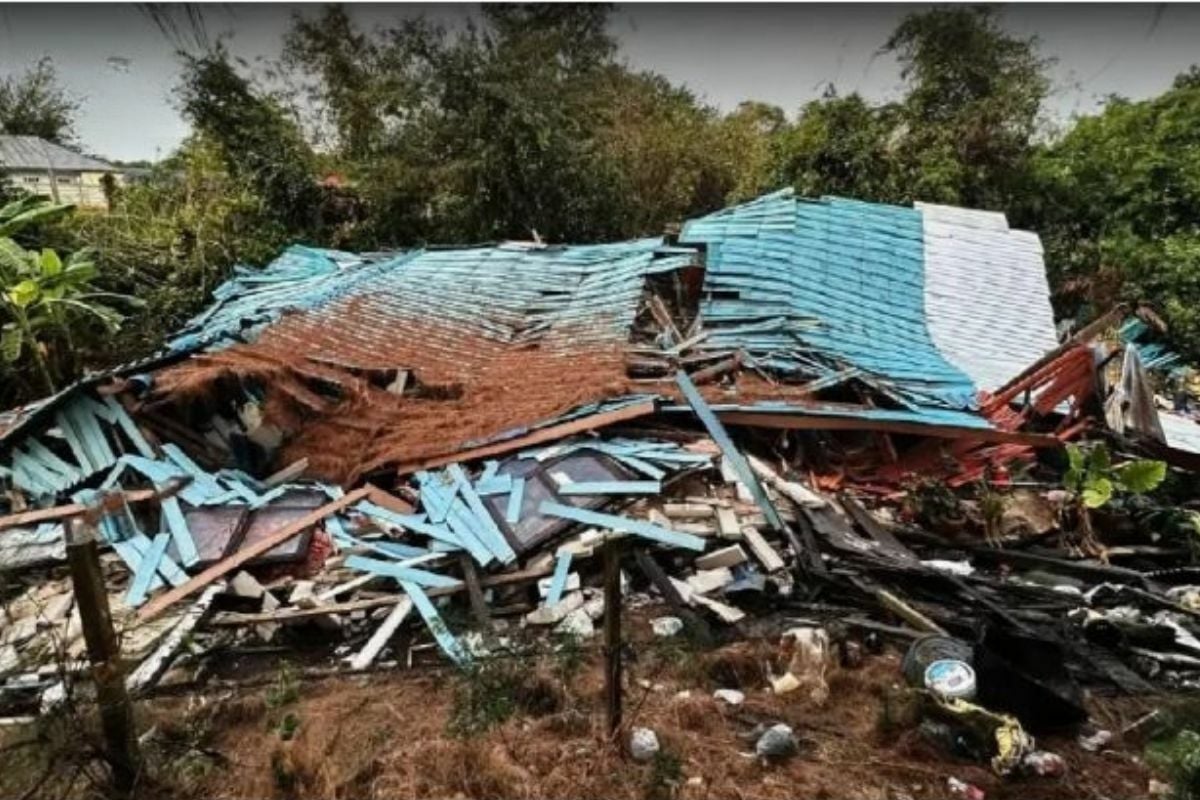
(1118, 207)
(749, 141)
(34, 103)
(840, 146)
(44, 300)
(172, 238)
(258, 142)
(963, 133)
(522, 122)
(971, 110)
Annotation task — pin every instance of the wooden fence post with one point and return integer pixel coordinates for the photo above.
(116, 712)
(612, 636)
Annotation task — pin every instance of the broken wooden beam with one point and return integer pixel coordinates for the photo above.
(714, 371)
(25, 518)
(382, 635)
(907, 613)
(547, 434)
(828, 422)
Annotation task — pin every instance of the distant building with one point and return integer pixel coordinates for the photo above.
(44, 168)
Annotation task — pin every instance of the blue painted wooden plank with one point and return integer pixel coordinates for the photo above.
(512, 514)
(384, 548)
(132, 557)
(163, 472)
(411, 522)
(66, 425)
(448, 642)
(269, 496)
(104, 412)
(623, 524)
(464, 526)
(33, 469)
(395, 549)
(717, 431)
(558, 583)
(642, 466)
(500, 484)
(93, 434)
(443, 547)
(409, 574)
(146, 571)
(436, 495)
(333, 524)
(201, 476)
(489, 471)
(610, 487)
(167, 567)
(185, 546)
(51, 461)
(493, 538)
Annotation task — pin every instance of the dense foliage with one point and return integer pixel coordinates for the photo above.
(527, 123)
(34, 104)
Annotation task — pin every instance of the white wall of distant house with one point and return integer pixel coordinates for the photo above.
(84, 189)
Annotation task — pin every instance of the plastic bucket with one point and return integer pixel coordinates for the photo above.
(951, 678)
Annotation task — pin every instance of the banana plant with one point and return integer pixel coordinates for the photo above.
(46, 300)
(26, 211)
(1092, 481)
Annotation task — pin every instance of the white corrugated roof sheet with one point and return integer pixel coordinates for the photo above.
(987, 301)
(1182, 433)
(32, 152)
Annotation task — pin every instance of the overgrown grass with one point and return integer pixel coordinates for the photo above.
(489, 691)
(1174, 749)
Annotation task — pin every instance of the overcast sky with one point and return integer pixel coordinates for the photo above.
(123, 68)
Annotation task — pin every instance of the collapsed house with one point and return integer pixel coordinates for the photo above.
(341, 439)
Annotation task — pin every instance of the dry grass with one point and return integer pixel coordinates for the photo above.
(387, 737)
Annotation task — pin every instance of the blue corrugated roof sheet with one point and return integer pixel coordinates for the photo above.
(835, 279)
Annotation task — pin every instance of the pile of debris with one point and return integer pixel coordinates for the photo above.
(803, 416)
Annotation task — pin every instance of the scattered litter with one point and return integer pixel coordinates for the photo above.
(731, 696)
(643, 744)
(777, 742)
(665, 627)
(1097, 741)
(968, 791)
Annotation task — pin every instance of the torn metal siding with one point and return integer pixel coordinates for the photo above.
(987, 300)
(795, 281)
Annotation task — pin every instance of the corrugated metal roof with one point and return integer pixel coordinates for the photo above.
(32, 152)
(846, 278)
(300, 278)
(497, 337)
(987, 301)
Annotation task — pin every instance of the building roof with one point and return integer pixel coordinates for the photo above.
(829, 295)
(33, 152)
(935, 303)
(498, 337)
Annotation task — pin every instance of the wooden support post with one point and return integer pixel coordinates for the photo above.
(116, 712)
(479, 608)
(612, 637)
